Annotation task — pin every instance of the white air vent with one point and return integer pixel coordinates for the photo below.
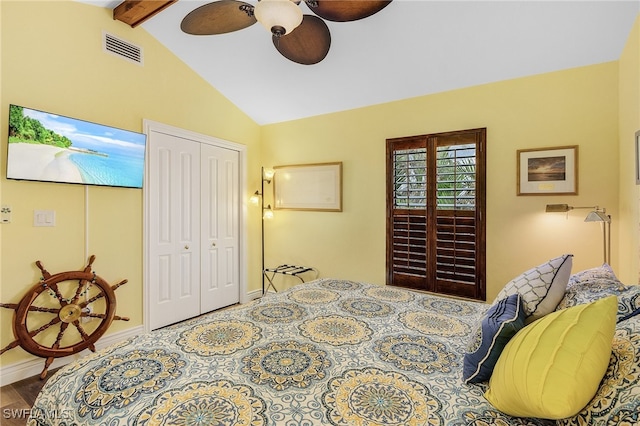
(121, 48)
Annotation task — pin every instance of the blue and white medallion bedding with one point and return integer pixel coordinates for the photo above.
(329, 352)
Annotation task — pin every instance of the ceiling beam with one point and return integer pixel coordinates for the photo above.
(135, 12)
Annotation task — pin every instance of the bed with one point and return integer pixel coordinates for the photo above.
(328, 352)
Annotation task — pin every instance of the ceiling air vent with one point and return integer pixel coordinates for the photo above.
(122, 48)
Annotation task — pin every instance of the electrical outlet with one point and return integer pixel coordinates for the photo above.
(5, 214)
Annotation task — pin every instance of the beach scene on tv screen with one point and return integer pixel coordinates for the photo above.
(49, 147)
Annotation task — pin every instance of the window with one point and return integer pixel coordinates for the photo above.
(435, 206)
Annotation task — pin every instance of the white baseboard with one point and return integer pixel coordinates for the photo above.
(29, 368)
(255, 294)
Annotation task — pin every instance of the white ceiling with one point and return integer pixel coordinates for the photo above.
(410, 48)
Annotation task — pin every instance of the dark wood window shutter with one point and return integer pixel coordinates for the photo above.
(435, 212)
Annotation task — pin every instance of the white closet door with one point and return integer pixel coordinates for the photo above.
(194, 259)
(220, 282)
(174, 229)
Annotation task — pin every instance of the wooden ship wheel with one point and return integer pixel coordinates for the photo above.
(63, 314)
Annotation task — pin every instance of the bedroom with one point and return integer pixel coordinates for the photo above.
(584, 106)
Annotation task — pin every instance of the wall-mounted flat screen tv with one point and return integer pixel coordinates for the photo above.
(48, 147)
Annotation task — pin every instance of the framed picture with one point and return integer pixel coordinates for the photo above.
(638, 157)
(548, 171)
(308, 187)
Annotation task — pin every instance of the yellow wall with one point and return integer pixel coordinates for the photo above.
(52, 59)
(572, 107)
(629, 122)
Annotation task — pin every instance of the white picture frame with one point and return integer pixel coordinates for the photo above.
(314, 187)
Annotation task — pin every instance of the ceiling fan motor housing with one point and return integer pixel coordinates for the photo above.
(278, 30)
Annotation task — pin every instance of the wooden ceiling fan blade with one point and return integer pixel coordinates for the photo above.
(346, 10)
(308, 44)
(219, 17)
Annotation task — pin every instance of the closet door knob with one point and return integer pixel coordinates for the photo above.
(213, 244)
(186, 247)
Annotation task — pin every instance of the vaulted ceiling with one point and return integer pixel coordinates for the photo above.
(410, 48)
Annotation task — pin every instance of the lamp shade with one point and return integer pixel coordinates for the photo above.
(268, 173)
(278, 16)
(267, 212)
(557, 208)
(255, 198)
(597, 216)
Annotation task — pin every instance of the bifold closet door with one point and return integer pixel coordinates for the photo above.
(174, 229)
(220, 224)
(194, 228)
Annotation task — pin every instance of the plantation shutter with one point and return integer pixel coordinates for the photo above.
(435, 206)
(409, 220)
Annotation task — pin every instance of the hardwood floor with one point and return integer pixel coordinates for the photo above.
(17, 399)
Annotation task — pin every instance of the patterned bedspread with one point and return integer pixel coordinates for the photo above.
(329, 352)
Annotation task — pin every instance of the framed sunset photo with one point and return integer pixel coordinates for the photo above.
(548, 171)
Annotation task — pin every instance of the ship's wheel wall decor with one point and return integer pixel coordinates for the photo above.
(63, 314)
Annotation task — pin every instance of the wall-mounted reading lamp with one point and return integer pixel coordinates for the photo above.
(267, 212)
(596, 214)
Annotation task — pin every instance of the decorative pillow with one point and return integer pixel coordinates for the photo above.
(552, 368)
(579, 294)
(501, 322)
(596, 283)
(541, 287)
(628, 301)
(618, 398)
(599, 276)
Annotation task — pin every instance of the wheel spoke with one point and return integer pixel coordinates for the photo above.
(81, 285)
(10, 346)
(123, 282)
(93, 299)
(83, 333)
(45, 274)
(58, 296)
(9, 305)
(63, 327)
(44, 327)
(41, 309)
(47, 363)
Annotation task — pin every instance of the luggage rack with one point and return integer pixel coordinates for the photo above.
(292, 270)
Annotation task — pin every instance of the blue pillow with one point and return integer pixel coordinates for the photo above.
(501, 322)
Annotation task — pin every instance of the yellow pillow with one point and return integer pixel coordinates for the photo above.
(552, 368)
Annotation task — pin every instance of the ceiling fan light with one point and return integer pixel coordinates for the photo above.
(278, 16)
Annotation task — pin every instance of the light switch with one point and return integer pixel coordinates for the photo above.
(44, 218)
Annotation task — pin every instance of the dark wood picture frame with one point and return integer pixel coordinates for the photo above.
(548, 171)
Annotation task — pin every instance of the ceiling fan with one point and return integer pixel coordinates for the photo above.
(304, 39)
